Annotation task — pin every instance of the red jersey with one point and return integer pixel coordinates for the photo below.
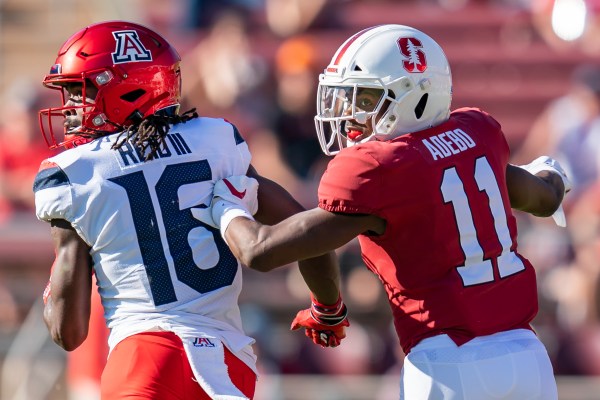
(448, 258)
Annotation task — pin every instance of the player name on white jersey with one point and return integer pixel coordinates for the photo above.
(131, 154)
(448, 143)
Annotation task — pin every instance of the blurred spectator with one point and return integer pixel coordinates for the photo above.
(225, 75)
(222, 67)
(22, 148)
(286, 18)
(569, 129)
(167, 16)
(584, 227)
(203, 13)
(296, 76)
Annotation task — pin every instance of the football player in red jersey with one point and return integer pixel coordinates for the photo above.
(125, 201)
(429, 194)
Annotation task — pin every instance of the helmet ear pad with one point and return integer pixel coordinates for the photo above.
(386, 119)
(389, 112)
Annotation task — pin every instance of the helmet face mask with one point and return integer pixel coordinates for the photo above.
(407, 66)
(133, 69)
(78, 105)
(350, 110)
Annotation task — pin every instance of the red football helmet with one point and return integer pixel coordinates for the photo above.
(135, 70)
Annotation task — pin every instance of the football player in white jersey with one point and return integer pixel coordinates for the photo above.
(125, 201)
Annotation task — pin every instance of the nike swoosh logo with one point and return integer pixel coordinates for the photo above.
(233, 190)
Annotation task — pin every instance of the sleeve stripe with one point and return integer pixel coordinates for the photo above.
(238, 138)
(47, 164)
(50, 177)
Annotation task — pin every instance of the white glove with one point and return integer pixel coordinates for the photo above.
(235, 196)
(545, 163)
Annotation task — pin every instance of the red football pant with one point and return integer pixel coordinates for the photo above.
(154, 365)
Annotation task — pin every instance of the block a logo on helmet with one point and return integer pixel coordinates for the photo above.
(129, 48)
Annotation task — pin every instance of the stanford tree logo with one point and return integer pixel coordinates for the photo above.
(129, 48)
(411, 49)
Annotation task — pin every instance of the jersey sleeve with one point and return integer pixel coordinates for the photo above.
(351, 183)
(242, 148)
(494, 127)
(53, 194)
(492, 123)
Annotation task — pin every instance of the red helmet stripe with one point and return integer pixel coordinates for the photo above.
(345, 46)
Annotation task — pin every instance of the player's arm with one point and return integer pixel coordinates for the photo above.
(307, 234)
(539, 194)
(68, 302)
(320, 273)
(304, 235)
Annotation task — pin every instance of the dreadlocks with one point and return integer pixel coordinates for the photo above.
(150, 132)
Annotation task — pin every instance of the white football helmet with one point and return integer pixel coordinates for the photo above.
(409, 71)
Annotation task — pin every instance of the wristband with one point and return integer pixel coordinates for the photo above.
(331, 315)
(223, 212)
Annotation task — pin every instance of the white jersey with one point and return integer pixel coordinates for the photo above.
(157, 265)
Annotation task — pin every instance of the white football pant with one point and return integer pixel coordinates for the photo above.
(511, 365)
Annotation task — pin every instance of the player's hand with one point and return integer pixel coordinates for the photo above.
(239, 189)
(235, 196)
(324, 325)
(545, 163)
(232, 197)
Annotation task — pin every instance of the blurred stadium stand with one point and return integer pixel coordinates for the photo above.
(500, 63)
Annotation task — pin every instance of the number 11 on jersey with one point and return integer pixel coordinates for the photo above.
(477, 270)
